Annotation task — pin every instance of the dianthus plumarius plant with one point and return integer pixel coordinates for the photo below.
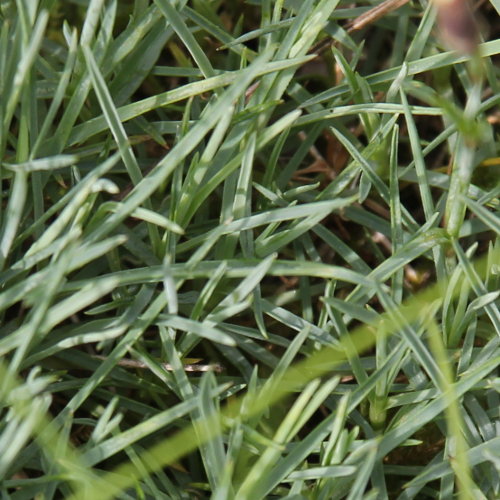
(249, 250)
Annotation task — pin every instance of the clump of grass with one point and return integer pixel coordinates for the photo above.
(236, 264)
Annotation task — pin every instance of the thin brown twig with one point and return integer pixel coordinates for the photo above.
(361, 21)
(374, 14)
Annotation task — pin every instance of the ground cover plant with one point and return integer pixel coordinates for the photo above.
(248, 250)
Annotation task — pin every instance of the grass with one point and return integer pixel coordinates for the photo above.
(234, 264)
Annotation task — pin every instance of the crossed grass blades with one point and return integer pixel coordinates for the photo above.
(187, 184)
